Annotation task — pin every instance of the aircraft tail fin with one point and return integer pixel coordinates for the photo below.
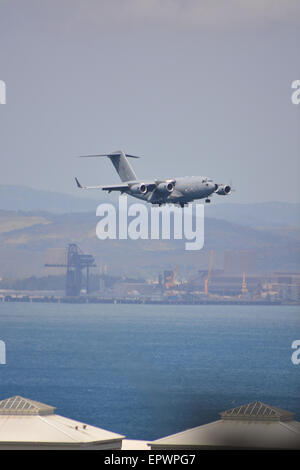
(121, 164)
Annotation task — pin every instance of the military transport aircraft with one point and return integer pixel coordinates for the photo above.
(181, 190)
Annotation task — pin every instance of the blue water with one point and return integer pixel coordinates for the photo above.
(149, 371)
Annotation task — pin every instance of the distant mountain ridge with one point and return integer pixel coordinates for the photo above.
(26, 237)
(22, 198)
(265, 214)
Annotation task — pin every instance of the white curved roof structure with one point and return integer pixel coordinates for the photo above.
(28, 424)
(251, 426)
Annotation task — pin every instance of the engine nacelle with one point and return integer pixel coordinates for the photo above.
(222, 189)
(165, 188)
(139, 188)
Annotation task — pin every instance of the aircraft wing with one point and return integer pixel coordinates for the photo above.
(151, 185)
(113, 187)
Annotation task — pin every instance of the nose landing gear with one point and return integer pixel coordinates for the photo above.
(207, 200)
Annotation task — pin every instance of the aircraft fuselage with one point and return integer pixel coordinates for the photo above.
(185, 189)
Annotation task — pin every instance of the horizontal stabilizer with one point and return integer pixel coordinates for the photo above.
(110, 155)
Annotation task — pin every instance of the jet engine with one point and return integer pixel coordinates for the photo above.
(140, 188)
(222, 189)
(165, 188)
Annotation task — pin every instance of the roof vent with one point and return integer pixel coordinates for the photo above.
(257, 411)
(23, 406)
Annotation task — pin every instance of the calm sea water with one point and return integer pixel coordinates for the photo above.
(148, 371)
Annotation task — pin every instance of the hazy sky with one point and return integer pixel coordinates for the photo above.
(193, 86)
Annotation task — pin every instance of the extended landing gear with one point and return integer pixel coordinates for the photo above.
(207, 200)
